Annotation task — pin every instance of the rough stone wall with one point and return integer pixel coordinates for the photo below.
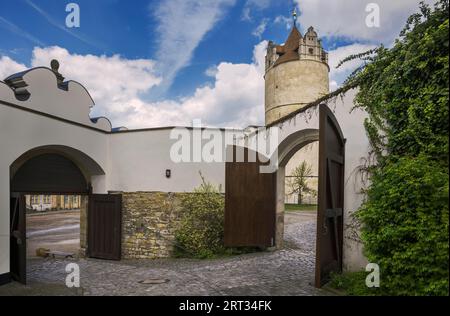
(291, 86)
(149, 220)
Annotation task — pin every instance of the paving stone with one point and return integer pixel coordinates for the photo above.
(289, 271)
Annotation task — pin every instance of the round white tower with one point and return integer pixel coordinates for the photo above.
(296, 74)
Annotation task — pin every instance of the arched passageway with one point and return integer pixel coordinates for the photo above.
(53, 169)
(286, 150)
(60, 172)
(265, 195)
(49, 173)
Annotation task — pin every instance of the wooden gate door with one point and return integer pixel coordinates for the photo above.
(18, 242)
(104, 226)
(250, 204)
(330, 197)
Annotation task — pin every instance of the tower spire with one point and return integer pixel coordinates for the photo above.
(294, 16)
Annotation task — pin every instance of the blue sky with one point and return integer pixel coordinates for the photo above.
(152, 63)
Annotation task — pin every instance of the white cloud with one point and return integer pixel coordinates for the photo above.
(246, 14)
(211, 71)
(9, 67)
(258, 4)
(347, 18)
(280, 19)
(117, 85)
(337, 76)
(237, 97)
(260, 29)
(234, 99)
(334, 85)
(182, 24)
(252, 5)
(113, 82)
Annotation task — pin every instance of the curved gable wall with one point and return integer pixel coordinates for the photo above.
(38, 90)
(23, 129)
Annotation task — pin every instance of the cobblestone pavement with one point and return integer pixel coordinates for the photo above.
(289, 271)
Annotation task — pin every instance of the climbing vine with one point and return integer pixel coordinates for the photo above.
(405, 91)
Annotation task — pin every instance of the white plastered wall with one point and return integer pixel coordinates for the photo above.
(137, 161)
(22, 131)
(351, 122)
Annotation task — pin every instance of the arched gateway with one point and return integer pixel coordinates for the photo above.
(134, 170)
(254, 203)
(61, 170)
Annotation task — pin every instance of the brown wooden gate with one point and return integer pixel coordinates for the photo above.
(18, 240)
(250, 204)
(330, 197)
(105, 226)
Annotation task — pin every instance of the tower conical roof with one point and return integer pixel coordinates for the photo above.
(289, 51)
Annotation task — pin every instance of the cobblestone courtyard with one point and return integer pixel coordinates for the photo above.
(289, 271)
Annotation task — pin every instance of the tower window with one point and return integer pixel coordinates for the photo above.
(311, 51)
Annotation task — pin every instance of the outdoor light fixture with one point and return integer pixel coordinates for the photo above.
(168, 173)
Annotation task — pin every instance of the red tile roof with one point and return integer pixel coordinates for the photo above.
(289, 51)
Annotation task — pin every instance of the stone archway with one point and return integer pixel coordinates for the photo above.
(331, 190)
(325, 129)
(50, 170)
(287, 148)
(49, 173)
(86, 165)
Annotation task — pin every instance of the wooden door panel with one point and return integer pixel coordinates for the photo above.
(250, 204)
(18, 242)
(331, 197)
(105, 226)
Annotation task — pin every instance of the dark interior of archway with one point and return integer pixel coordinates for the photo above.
(49, 173)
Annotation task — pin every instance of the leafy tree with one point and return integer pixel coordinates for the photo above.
(405, 91)
(298, 182)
